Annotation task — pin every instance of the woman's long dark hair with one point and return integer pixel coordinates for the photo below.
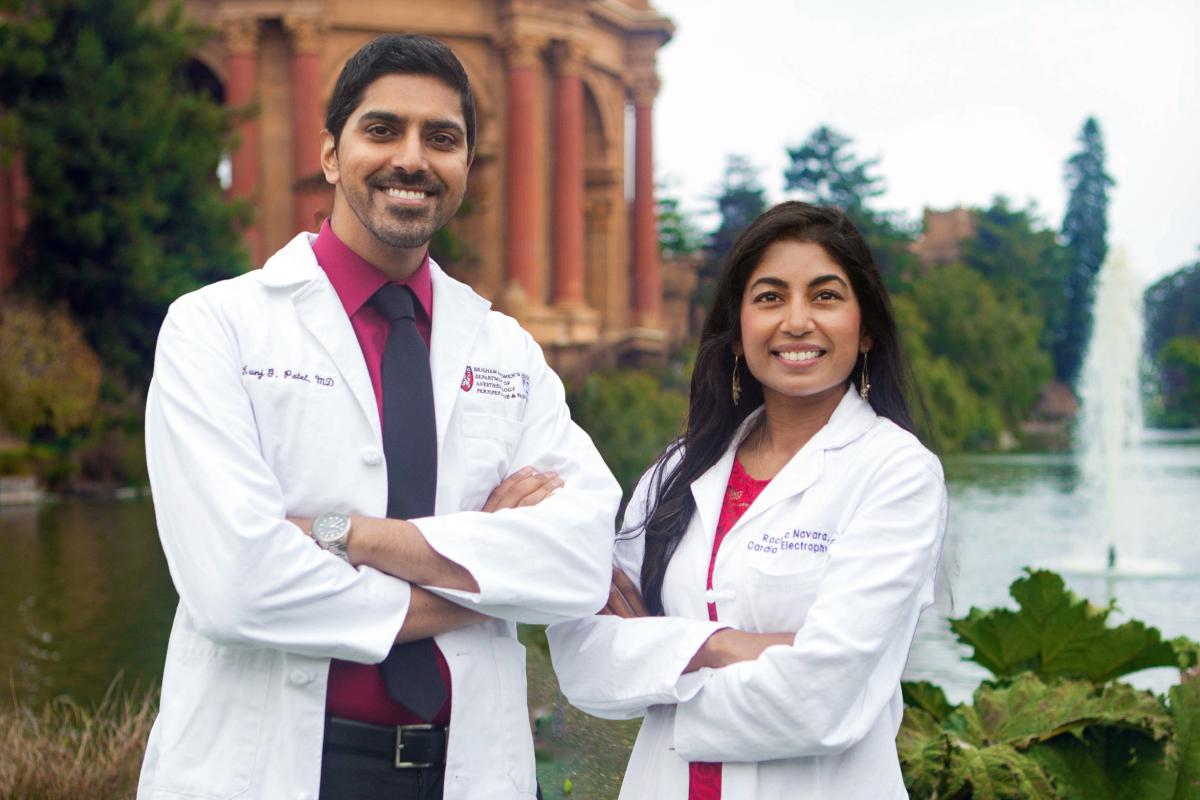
(712, 416)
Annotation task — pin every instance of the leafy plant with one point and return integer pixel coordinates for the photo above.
(1055, 723)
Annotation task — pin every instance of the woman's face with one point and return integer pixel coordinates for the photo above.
(801, 325)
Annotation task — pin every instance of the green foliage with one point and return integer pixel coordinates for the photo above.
(1173, 307)
(1173, 341)
(1085, 232)
(829, 174)
(677, 232)
(1055, 634)
(1055, 724)
(740, 200)
(1179, 371)
(1023, 262)
(631, 417)
(993, 345)
(49, 377)
(125, 212)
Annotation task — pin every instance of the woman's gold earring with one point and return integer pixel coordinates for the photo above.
(864, 386)
(735, 385)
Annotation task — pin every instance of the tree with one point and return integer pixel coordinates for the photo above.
(1085, 232)
(740, 200)
(993, 343)
(1023, 261)
(125, 212)
(677, 232)
(829, 174)
(1179, 367)
(1173, 307)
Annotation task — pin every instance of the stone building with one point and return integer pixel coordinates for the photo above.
(942, 234)
(558, 227)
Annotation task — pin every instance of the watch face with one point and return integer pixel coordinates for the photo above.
(330, 527)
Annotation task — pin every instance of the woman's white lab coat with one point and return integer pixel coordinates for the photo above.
(260, 408)
(841, 547)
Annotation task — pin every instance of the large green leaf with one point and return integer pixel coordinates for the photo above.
(1055, 634)
(1031, 711)
(927, 697)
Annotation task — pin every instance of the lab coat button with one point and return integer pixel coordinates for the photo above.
(372, 457)
(300, 678)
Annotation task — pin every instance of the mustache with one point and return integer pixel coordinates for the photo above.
(399, 179)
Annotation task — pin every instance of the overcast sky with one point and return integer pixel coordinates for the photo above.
(960, 99)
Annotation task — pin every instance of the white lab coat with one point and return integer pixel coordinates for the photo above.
(261, 407)
(841, 547)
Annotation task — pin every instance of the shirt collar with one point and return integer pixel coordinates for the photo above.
(355, 279)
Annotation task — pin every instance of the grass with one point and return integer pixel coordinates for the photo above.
(69, 752)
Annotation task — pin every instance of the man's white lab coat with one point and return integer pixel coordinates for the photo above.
(260, 408)
(841, 547)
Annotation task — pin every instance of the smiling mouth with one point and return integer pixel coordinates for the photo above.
(405, 194)
(800, 355)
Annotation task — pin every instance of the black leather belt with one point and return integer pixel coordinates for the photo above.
(406, 746)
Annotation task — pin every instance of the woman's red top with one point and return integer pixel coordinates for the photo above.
(704, 778)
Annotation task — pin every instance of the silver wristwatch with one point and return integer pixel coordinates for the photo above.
(331, 532)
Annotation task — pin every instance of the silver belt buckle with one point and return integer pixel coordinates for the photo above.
(400, 762)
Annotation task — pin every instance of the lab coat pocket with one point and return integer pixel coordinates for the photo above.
(518, 745)
(489, 442)
(224, 724)
(770, 602)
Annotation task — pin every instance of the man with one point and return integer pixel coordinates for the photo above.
(302, 395)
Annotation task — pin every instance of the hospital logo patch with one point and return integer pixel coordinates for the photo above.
(468, 380)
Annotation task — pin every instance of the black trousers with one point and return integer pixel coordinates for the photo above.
(352, 776)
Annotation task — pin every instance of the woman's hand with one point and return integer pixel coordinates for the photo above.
(525, 487)
(624, 599)
(729, 646)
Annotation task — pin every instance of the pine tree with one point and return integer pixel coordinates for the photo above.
(829, 174)
(739, 202)
(1085, 234)
(125, 212)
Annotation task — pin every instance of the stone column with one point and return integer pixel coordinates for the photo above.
(241, 50)
(523, 195)
(568, 222)
(307, 180)
(647, 295)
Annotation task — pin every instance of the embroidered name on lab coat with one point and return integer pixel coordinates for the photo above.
(505, 385)
(791, 541)
(273, 374)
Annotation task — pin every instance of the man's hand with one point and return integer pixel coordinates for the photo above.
(525, 487)
(624, 599)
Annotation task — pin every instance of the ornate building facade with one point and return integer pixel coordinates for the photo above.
(558, 227)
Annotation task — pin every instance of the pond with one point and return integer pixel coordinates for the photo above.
(85, 594)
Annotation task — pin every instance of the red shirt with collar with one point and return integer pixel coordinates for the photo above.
(356, 691)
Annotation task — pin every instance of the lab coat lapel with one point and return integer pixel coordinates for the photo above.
(851, 419)
(321, 313)
(709, 489)
(458, 313)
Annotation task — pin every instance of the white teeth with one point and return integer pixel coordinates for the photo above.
(405, 194)
(806, 355)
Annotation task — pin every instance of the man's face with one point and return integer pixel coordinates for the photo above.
(400, 166)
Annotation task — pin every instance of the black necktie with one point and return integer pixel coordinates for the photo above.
(410, 670)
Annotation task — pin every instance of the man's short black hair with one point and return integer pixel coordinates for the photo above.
(398, 54)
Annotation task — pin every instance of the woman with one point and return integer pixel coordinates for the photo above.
(784, 546)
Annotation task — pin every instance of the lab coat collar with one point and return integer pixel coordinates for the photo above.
(852, 418)
(459, 314)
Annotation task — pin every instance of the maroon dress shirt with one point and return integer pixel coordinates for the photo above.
(356, 691)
